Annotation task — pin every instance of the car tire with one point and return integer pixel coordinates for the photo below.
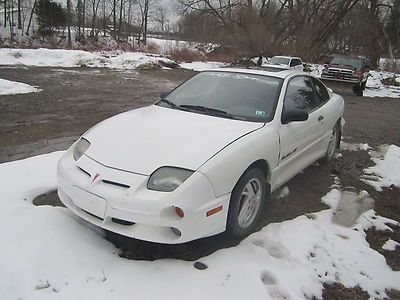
(334, 143)
(247, 201)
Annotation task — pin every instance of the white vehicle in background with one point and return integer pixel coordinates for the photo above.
(204, 158)
(286, 62)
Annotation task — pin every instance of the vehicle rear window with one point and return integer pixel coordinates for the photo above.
(321, 91)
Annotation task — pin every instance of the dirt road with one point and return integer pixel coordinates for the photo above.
(73, 100)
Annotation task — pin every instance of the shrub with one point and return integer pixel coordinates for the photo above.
(186, 55)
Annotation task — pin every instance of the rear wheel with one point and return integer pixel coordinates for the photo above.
(246, 203)
(334, 143)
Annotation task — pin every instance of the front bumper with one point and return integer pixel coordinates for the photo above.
(119, 201)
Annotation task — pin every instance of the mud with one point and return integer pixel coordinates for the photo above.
(73, 100)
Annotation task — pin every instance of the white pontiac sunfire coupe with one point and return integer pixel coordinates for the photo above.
(204, 158)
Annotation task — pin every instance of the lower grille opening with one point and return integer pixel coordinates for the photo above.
(116, 183)
(101, 219)
(122, 222)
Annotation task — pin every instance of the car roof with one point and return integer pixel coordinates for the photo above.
(272, 73)
(288, 57)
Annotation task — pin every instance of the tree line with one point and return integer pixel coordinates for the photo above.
(311, 29)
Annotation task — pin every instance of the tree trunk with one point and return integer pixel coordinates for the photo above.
(69, 42)
(120, 17)
(5, 14)
(19, 15)
(30, 18)
(146, 14)
(83, 17)
(114, 17)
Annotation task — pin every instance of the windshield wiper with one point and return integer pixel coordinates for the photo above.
(210, 110)
(171, 104)
(205, 109)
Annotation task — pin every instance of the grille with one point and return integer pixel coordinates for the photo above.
(116, 183)
(122, 222)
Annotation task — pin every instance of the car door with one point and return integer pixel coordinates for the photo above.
(325, 109)
(298, 140)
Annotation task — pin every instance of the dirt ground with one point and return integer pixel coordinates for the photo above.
(73, 100)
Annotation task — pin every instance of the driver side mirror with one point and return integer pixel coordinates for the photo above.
(294, 115)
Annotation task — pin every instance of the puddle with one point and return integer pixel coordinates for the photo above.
(50, 198)
(351, 206)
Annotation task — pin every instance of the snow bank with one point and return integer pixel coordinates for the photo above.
(386, 172)
(49, 253)
(201, 65)
(166, 46)
(375, 88)
(77, 58)
(8, 87)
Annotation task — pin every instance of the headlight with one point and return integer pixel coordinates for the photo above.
(167, 179)
(80, 148)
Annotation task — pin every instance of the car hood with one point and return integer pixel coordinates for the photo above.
(145, 139)
(341, 67)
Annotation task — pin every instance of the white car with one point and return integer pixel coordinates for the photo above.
(286, 62)
(204, 158)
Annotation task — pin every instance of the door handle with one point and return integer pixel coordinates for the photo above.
(320, 118)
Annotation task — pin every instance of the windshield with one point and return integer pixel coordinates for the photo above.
(347, 61)
(239, 96)
(277, 60)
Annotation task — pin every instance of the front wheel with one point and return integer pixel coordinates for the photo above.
(246, 203)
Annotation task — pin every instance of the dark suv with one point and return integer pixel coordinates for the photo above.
(344, 68)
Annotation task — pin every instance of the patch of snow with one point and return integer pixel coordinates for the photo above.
(386, 171)
(375, 88)
(8, 87)
(47, 252)
(390, 245)
(202, 66)
(284, 192)
(77, 58)
(353, 147)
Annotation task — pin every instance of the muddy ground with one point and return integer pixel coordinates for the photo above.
(73, 100)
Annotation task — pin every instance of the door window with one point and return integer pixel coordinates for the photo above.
(300, 95)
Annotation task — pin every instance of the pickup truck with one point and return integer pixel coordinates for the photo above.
(344, 68)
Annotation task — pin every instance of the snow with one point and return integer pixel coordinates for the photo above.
(201, 65)
(390, 245)
(353, 147)
(49, 253)
(166, 46)
(8, 87)
(375, 88)
(386, 171)
(77, 58)
(284, 192)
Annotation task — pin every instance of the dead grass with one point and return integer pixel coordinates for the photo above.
(186, 55)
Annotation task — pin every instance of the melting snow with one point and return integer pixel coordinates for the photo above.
(47, 252)
(390, 245)
(386, 172)
(8, 87)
